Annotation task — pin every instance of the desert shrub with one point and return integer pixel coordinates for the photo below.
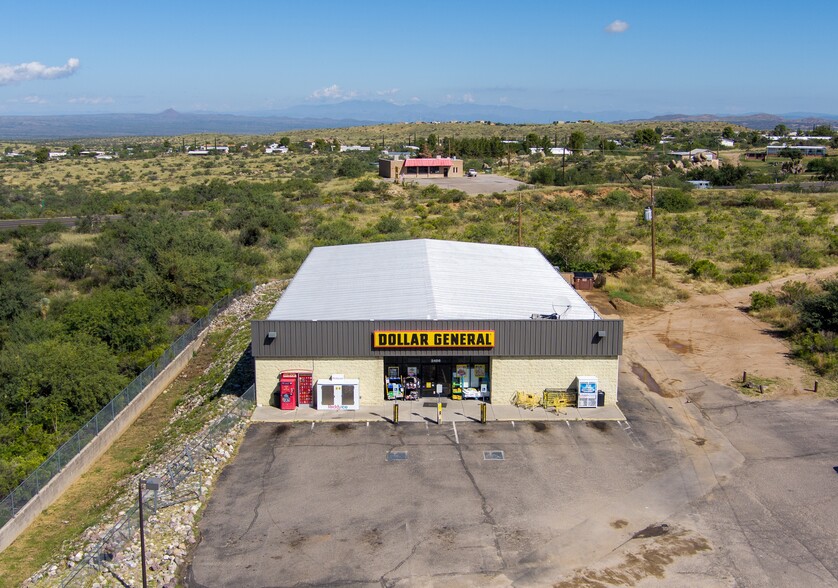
(762, 301)
(482, 232)
(677, 257)
(618, 199)
(615, 258)
(365, 185)
(561, 204)
(250, 235)
(704, 269)
(389, 224)
(73, 261)
(819, 312)
(335, 232)
(674, 200)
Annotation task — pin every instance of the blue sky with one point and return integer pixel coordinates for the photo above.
(629, 55)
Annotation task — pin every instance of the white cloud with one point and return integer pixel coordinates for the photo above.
(94, 100)
(468, 98)
(332, 92)
(389, 92)
(24, 72)
(34, 100)
(618, 26)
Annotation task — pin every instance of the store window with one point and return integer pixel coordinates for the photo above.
(413, 378)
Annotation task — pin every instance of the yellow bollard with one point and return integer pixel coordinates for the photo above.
(396, 413)
(438, 412)
(483, 413)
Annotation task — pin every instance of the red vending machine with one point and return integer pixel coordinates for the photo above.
(288, 392)
(304, 386)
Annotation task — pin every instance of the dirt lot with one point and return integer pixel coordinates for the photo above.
(714, 335)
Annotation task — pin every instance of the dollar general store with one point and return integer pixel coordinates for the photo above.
(427, 318)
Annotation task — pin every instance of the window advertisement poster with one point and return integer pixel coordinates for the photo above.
(462, 369)
(412, 371)
(480, 370)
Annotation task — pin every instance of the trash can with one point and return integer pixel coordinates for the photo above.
(600, 398)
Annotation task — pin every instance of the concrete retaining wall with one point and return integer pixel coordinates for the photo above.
(81, 462)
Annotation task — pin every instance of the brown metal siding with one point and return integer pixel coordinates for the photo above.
(522, 338)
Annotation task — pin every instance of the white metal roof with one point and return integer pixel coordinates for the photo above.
(427, 279)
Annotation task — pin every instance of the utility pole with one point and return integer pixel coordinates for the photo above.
(142, 533)
(652, 187)
(520, 207)
(564, 150)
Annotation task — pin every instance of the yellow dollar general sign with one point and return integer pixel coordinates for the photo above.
(432, 339)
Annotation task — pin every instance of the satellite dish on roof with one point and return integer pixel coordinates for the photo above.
(561, 306)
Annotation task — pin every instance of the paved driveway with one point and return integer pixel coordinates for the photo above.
(482, 184)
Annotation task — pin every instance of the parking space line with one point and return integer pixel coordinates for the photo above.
(626, 426)
(456, 437)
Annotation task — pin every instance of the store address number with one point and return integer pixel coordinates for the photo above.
(432, 339)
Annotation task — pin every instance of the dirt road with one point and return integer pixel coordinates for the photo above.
(714, 335)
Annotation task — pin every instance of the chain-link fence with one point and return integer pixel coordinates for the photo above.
(175, 487)
(45, 472)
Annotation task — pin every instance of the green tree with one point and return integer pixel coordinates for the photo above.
(58, 383)
(42, 155)
(74, 261)
(792, 154)
(351, 167)
(646, 136)
(577, 140)
(728, 133)
(19, 292)
(569, 241)
(781, 130)
(820, 311)
(822, 131)
(123, 320)
(674, 200)
(285, 141)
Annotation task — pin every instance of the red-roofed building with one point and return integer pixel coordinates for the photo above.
(425, 167)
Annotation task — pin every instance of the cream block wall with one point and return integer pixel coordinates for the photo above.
(534, 374)
(369, 370)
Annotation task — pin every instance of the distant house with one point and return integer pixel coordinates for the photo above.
(700, 184)
(57, 154)
(806, 150)
(552, 150)
(276, 148)
(421, 167)
(217, 148)
(726, 142)
(309, 144)
(560, 151)
(197, 152)
(354, 148)
(695, 155)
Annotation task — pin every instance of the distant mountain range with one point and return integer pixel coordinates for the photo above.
(166, 123)
(761, 122)
(344, 114)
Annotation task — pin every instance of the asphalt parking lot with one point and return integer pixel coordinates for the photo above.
(360, 504)
(482, 184)
(717, 491)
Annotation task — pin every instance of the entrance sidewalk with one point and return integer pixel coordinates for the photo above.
(454, 410)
